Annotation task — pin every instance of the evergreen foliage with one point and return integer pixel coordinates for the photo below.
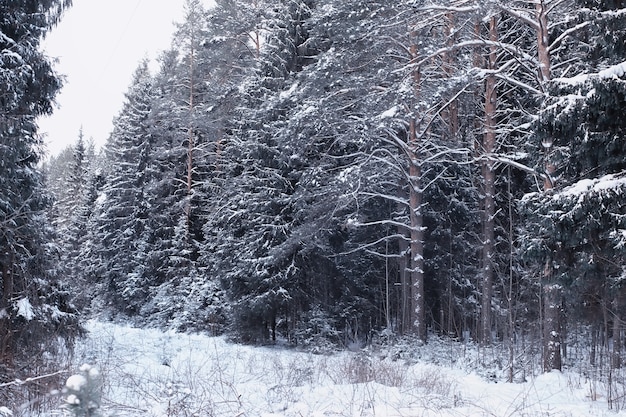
(319, 169)
(574, 232)
(121, 224)
(37, 318)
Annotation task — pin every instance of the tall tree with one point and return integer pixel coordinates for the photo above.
(261, 277)
(124, 213)
(580, 129)
(34, 307)
(194, 112)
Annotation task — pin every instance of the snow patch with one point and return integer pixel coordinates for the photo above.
(101, 200)
(57, 314)
(25, 309)
(616, 71)
(352, 223)
(72, 400)
(211, 376)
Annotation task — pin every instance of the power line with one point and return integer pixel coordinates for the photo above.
(120, 38)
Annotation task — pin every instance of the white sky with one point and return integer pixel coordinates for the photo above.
(99, 44)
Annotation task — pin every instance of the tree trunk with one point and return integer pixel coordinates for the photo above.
(406, 289)
(489, 180)
(6, 330)
(545, 75)
(417, 235)
(552, 326)
(416, 216)
(616, 361)
(451, 114)
(552, 292)
(190, 131)
(509, 289)
(594, 345)
(543, 41)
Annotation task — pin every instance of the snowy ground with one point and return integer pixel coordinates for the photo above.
(150, 373)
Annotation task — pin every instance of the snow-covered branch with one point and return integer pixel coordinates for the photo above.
(566, 33)
(19, 382)
(520, 16)
(416, 63)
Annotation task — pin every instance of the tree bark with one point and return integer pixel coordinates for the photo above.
(451, 114)
(406, 289)
(415, 207)
(594, 345)
(552, 292)
(552, 325)
(489, 180)
(543, 41)
(417, 234)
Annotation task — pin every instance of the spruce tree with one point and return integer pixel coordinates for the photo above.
(121, 229)
(258, 272)
(576, 227)
(193, 112)
(34, 301)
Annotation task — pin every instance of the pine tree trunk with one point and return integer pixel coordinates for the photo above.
(417, 237)
(415, 207)
(552, 292)
(387, 294)
(406, 289)
(594, 345)
(489, 179)
(451, 114)
(509, 290)
(543, 41)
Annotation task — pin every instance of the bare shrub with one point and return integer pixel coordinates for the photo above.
(357, 369)
(362, 368)
(432, 382)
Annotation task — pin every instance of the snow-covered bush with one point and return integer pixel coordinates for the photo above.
(83, 392)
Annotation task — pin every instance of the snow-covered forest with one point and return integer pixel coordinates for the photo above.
(326, 175)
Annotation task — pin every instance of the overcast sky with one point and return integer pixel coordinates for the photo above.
(99, 44)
